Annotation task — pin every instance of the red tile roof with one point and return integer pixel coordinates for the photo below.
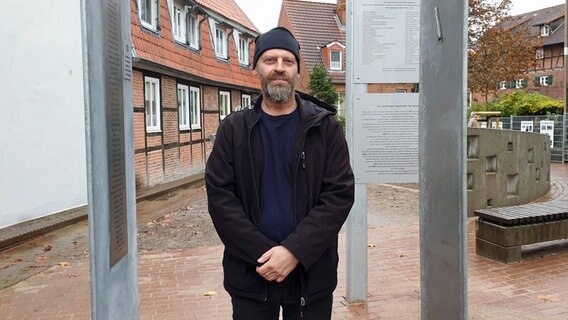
(160, 48)
(314, 25)
(230, 10)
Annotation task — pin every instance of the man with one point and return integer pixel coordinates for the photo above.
(279, 188)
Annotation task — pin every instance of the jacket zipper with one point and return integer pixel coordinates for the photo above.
(257, 198)
(302, 299)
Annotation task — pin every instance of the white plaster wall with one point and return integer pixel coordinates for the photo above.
(42, 126)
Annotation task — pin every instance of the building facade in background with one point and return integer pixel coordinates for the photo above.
(320, 30)
(547, 77)
(192, 67)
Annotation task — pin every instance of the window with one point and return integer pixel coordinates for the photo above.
(148, 10)
(220, 42)
(545, 80)
(179, 24)
(183, 106)
(245, 101)
(503, 85)
(540, 53)
(335, 60)
(244, 51)
(224, 104)
(545, 30)
(152, 104)
(520, 83)
(195, 108)
(193, 31)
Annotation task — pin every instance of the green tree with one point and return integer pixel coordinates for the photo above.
(501, 47)
(321, 86)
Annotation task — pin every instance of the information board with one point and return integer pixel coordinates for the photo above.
(386, 147)
(386, 46)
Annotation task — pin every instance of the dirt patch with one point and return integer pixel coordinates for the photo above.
(186, 227)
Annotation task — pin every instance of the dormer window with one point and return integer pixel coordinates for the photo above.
(148, 11)
(243, 51)
(335, 60)
(219, 37)
(545, 30)
(179, 23)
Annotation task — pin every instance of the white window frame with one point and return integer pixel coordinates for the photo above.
(179, 23)
(153, 112)
(195, 107)
(540, 53)
(519, 83)
(224, 104)
(193, 31)
(545, 30)
(503, 85)
(183, 106)
(245, 100)
(335, 65)
(244, 53)
(220, 42)
(543, 81)
(153, 23)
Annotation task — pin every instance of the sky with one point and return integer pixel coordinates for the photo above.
(264, 14)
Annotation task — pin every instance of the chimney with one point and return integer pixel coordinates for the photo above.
(340, 11)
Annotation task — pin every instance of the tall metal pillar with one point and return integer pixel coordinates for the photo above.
(443, 205)
(357, 222)
(107, 68)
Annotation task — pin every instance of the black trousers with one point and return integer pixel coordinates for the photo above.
(287, 295)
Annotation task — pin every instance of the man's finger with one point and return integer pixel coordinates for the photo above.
(265, 256)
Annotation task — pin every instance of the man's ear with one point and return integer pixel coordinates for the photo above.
(254, 72)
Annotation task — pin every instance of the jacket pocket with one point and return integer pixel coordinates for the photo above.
(241, 280)
(321, 279)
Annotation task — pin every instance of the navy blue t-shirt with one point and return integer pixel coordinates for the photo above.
(276, 194)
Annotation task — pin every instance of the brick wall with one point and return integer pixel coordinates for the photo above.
(171, 154)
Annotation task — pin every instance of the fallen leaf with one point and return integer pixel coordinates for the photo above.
(210, 293)
(370, 245)
(402, 255)
(47, 247)
(18, 260)
(548, 298)
(64, 264)
(41, 259)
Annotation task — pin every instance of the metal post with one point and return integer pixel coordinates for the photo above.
(357, 221)
(107, 69)
(443, 205)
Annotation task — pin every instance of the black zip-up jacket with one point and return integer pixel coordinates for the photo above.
(323, 195)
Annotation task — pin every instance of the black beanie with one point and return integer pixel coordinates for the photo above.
(277, 38)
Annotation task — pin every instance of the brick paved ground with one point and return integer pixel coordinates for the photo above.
(172, 284)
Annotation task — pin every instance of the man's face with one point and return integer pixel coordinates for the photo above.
(278, 72)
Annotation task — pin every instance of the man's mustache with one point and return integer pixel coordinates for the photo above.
(280, 76)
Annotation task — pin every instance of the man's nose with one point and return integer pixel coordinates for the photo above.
(280, 64)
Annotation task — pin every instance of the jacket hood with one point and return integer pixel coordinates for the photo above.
(317, 102)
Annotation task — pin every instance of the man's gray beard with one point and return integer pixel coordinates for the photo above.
(279, 93)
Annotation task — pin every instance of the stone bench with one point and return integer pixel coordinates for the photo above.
(500, 232)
